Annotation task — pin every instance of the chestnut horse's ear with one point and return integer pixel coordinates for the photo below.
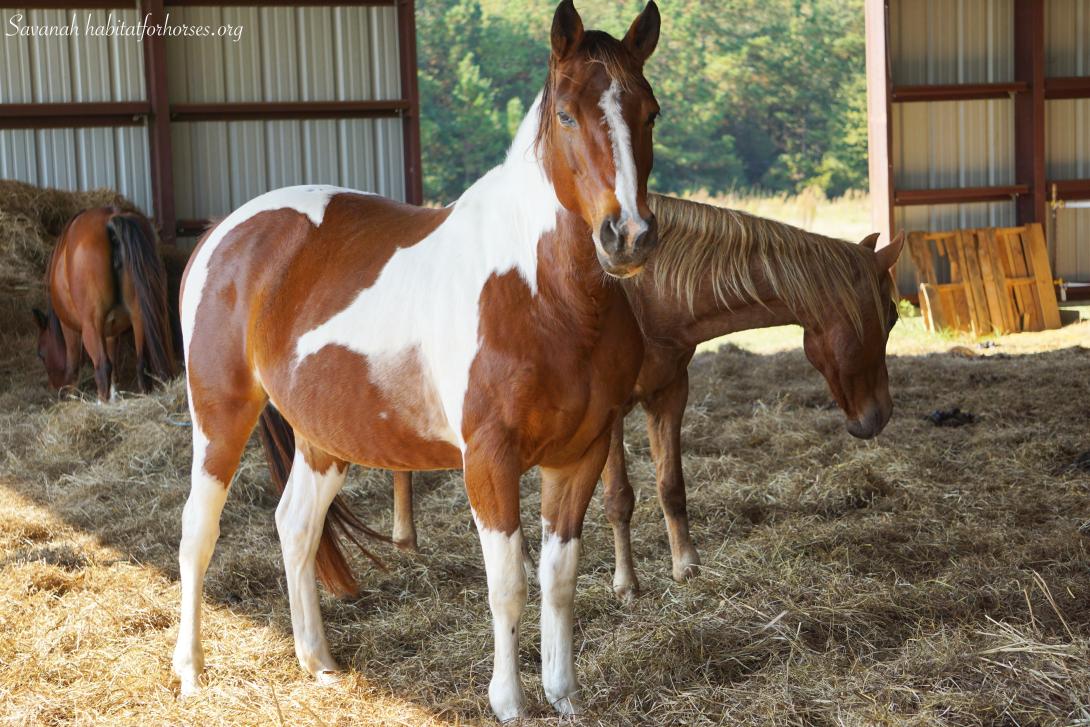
(887, 256)
(643, 36)
(567, 29)
(870, 241)
(41, 318)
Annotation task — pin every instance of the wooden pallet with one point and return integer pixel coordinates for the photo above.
(999, 280)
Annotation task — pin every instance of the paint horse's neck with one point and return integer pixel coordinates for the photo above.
(554, 245)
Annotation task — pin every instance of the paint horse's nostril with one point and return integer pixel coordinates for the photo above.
(612, 236)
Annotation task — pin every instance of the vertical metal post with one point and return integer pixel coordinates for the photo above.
(1029, 108)
(162, 164)
(879, 118)
(410, 119)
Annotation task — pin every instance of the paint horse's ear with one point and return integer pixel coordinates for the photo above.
(643, 35)
(41, 318)
(887, 256)
(870, 241)
(567, 30)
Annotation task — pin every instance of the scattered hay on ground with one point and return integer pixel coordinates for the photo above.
(932, 576)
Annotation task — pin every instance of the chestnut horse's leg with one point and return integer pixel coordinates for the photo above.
(220, 433)
(665, 409)
(565, 494)
(73, 355)
(95, 344)
(404, 527)
(138, 345)
(619, 502)
(315, 480)
(492, 484)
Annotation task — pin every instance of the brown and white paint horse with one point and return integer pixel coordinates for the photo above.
(483, 336)
(105, 277)
(718, 271)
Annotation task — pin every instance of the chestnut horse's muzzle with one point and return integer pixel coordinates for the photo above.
(872, 422)
(624, 246)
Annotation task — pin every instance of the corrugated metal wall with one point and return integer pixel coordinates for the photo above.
(80, 69)
(285, 54)
(951, 143)
(1067, 140)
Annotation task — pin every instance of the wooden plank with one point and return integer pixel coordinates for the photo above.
(1037, 253)
(930, 302)
(995, 281)
(919, 248)
(1024, 297)
(975, 283)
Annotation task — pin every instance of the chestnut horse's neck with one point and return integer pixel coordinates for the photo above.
(720, 271)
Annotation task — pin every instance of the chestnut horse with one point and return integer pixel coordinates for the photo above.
(105, 276)
(483, 336)
(718, 271)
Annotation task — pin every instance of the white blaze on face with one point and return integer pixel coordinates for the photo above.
(624, 161)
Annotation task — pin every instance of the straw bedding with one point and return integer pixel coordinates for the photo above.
(933, 576)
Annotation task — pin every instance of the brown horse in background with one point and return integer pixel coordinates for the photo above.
(718, 271)
(105, 277)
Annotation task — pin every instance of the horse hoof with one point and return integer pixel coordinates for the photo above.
(626, 592)
(329, 678)
(686, 571)
(570, 706)
(409, 546)
(188, 686)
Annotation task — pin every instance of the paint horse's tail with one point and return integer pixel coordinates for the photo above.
(135, 255)
(278, 439)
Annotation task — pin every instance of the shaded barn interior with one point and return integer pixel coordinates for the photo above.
(189, 128)
(980, 117)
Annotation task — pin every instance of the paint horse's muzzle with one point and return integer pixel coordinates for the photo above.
(623, 246)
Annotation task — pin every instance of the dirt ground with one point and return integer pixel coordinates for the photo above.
(932, 576)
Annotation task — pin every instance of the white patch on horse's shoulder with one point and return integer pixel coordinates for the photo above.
(308, 200)
(427, 296)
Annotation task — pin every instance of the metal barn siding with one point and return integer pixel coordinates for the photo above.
(285, 55)
(79, 69)
(945, 144)
(1067, 43)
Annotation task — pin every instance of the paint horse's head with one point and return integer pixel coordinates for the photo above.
(594, 134)
(851, 354)
(51, 346)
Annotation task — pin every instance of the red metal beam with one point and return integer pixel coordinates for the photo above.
(159, 141)
(1071, 189)
(72, 115)
(271, 111)
(1029, 108)
(958, 195)
(76, 5)
(410, 91)
(957, 91)
(192, 228)
(1067, 87)
(282, 3)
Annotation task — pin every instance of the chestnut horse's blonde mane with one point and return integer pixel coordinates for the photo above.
(808, 272)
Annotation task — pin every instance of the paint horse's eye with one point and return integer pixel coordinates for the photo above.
(651, 118)
(566, 119)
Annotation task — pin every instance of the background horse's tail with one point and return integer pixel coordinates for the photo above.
(278, 439)
(135, 253)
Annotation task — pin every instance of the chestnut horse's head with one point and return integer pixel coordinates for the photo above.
(594, 134)
(51, 346)
(851, 354)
